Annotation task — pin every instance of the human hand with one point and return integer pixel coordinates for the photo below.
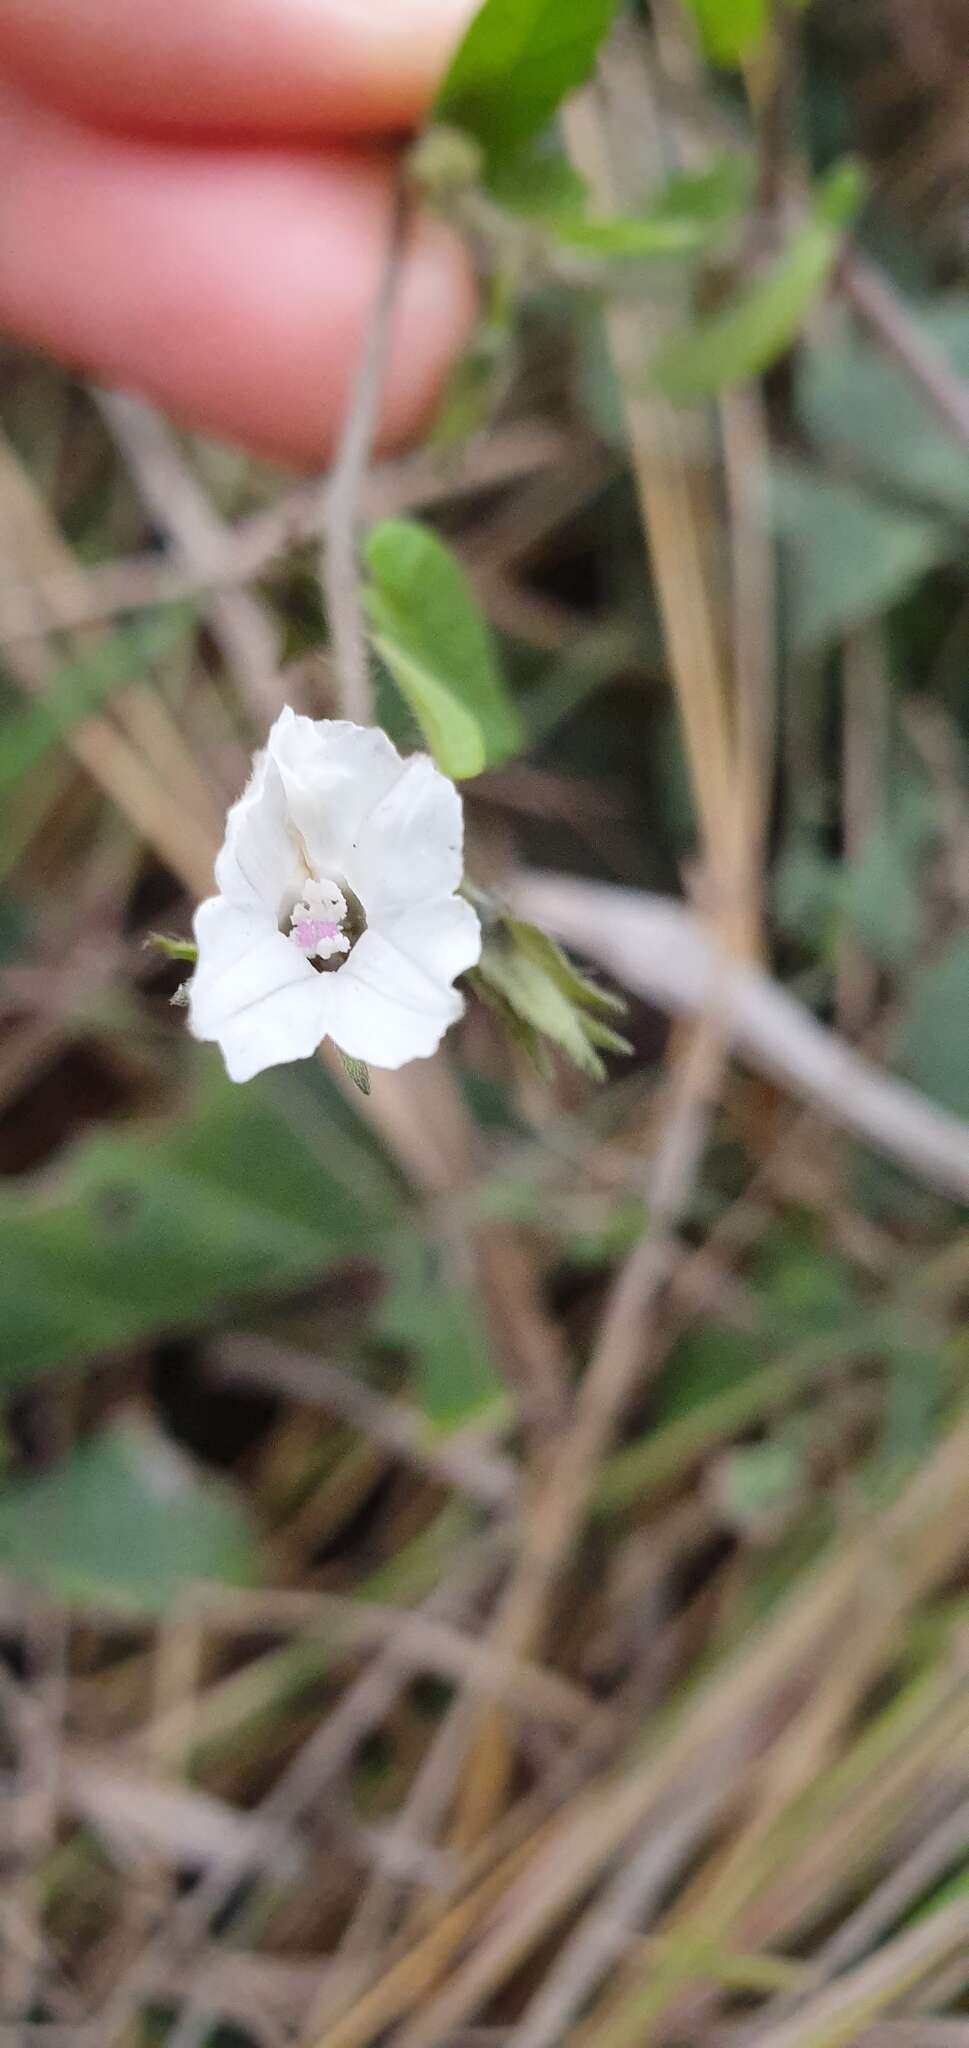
(194, 198)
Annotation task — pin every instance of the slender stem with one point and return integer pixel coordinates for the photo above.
(341, 497)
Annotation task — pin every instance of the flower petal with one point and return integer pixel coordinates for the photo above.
(386, 1008)
(333, 774)
(259, 865)
(443, 938)
(253, 992)
(409, 848)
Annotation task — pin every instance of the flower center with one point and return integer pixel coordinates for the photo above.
(316, 921)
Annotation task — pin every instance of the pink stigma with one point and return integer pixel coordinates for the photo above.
(310, 931)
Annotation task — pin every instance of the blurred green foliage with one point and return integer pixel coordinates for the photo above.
(514, 66)
(126, 1521)
(159, 1227)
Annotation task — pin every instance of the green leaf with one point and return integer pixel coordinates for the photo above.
(80, 687)
(730, 30)
(763, 321)
(160, 1227)
(711, 197)
(127, 1519)
(442, 1324)
(934, 1042)
(847, 391)
(428, 629)
(851, 555)
(173, 949)
(453, 735)
(689, 210)
(537, 182)
(626, 236)
(515, 64)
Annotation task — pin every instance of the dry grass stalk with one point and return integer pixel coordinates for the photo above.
(185, 840)
(406, 484)
(922, 1536)
(243, 628)
(670, 487)
(658, 949)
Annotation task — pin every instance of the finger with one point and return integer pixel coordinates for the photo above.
(230, 286)
(258, 66)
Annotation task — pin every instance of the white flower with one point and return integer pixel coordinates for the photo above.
(336, 915)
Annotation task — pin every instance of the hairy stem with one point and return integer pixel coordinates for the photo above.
(339, 567)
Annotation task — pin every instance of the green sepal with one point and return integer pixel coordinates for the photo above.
(540, 996)
(356, 1071)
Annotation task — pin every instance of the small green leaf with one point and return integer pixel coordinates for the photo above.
(626, 236)
(730, 30)
(453, 736)
(539, 186)
(173, 949)
(840, 193)
(515, 64)
(428, 629)
(763, 321)
(688, 211)
(127, 1519)
(851, 553)
(356, 1071)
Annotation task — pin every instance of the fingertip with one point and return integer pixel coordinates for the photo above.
(232, 287)
(259, 67)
